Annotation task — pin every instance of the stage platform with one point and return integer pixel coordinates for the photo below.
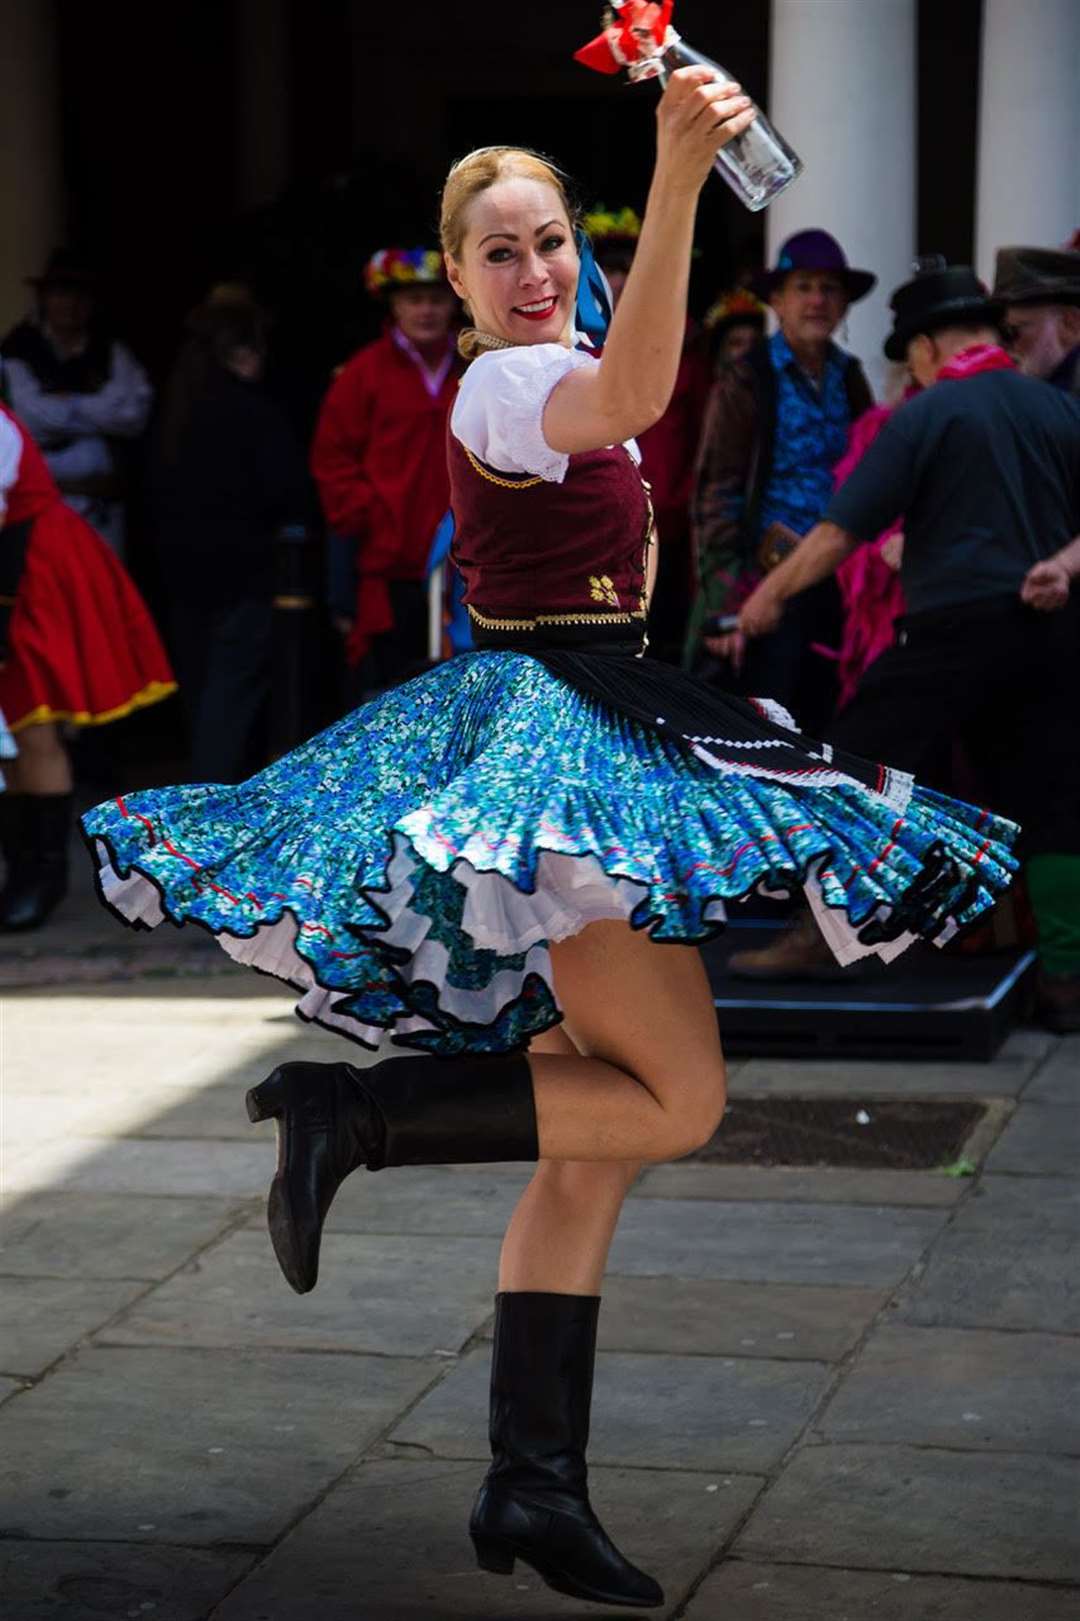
(930, 1004)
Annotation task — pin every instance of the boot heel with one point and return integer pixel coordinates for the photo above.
(493, 1555)
(267, 1100)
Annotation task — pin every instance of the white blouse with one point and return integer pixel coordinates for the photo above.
(10, 456)
(499, 409)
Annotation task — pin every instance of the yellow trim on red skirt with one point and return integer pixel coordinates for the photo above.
(44, 713)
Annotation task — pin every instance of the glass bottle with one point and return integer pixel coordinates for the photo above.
(758, 164)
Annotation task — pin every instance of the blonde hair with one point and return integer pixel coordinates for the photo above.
(470, 176)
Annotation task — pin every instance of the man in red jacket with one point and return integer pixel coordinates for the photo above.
(379, 458)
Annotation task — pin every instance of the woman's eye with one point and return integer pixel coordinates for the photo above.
(498, 256)
(551, 243)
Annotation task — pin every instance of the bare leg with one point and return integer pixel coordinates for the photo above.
(648, 1081)
(644, 1057)
(560, 1233)
(42, 765)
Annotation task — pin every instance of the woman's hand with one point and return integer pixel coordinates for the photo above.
(697, 115)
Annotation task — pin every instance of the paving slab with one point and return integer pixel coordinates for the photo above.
(188, 1446)
(854, 1078)
(211, 1110)
(1008, 1261)
(770, 1242)
(704, 1318)
(961, 1387)
(81, 1581)
(444, 1199)
(911, 1509)
(817, 1184)
(390, 1544)
(133, 1165)
(1058, 1079)
(106, 1235)
(1041, 1139)
(1027, 1041)
(660, 1412)
(387, 1295)
(44, 1317)
(747, 1592)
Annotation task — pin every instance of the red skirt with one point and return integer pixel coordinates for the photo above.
(83, 647)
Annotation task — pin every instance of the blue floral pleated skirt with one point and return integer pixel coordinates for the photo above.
(408, 869)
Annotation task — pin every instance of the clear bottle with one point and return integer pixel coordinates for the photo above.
(758, 164)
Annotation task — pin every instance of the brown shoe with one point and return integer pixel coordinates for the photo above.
(796, 953)
(1057, 1002)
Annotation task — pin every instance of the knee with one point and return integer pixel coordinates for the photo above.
(695, 1119)
(588, 1182)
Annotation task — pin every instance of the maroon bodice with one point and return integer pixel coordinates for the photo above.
(543, 557)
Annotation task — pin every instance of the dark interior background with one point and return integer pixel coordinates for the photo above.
(369, 106)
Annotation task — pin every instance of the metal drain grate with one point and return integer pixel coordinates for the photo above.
(900, 1135)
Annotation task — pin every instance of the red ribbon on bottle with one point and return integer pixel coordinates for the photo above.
(620, 44)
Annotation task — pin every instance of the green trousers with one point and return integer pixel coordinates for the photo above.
(1053, 884)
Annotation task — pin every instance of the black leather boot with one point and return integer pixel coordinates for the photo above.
(37, 878)
(333, 1118)
(534, 1503)
(12, 831)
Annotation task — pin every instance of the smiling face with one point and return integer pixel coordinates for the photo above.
(518, 266)
(809, 304)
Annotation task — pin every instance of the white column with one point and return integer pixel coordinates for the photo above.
(842, 92)
(1029, 126)
(32, 205)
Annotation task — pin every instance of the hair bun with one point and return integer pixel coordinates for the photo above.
(472, 342)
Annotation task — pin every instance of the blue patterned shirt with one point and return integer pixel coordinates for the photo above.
(812, 425)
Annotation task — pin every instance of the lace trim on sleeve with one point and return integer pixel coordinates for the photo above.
(500, 406)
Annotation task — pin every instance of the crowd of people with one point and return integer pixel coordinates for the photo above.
(949, 631)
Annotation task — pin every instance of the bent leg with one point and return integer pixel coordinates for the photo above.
(561, 1230)
(648, 1080)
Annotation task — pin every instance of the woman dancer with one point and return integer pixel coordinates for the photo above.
(483, 861)
(77, 646)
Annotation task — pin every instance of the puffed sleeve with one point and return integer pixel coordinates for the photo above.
(500, 405)
(10, 457)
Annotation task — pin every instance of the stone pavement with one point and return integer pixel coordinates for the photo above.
(822, 1395)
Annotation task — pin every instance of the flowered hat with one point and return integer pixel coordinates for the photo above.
(611, 227)
(736, 308)
(613, 234)
(403, 267)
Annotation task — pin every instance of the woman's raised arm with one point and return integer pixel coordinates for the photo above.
(632, 386)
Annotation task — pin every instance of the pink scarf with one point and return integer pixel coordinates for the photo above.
(979, 357)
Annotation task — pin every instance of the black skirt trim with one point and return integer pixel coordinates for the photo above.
(742, 734)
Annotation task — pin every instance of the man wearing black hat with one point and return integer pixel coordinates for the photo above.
(776, 425)
(1040, 289)
(81, 394)
(984, 466)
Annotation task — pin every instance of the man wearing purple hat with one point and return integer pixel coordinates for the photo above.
(776, 425)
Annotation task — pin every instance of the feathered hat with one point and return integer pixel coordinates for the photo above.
(391, 268)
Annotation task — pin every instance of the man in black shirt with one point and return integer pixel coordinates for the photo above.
(984, 466)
